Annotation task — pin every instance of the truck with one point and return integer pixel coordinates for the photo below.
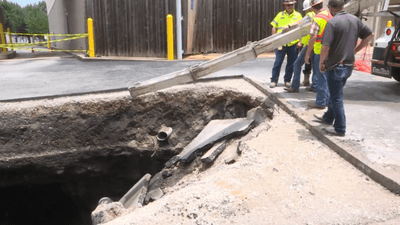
(386, 52)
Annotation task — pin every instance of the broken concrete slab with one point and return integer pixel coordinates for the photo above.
(172, 161)
(257, 114)
(154, 195)
(136, 195)
(233, 154)
(213, 132)
(106, 212)
(212, 154)
(217, 130)
(154, 191)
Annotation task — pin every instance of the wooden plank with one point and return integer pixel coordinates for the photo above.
(232, 58)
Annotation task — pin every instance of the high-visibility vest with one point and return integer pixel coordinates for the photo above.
(321, 19)
(306, 39)
(283, 19)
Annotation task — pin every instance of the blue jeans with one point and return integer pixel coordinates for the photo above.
(297, 68)
(314, 79)
(280, 56)
(336, 80)
(322, 86)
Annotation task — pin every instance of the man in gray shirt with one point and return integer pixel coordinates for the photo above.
(337, 59)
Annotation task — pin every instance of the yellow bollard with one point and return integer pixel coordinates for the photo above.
(170, 37)
(48, 41)
(3, 38)
(9, 37)
(91, 51)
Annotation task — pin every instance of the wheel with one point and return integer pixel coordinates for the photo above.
(395, 72)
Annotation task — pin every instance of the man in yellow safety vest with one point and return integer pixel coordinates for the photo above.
(280, 22)
(317, 31)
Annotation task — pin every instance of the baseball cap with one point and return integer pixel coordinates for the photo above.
(336, 3)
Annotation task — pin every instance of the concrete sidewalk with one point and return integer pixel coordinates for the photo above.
(371, 143)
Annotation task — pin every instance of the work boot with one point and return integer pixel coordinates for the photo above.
(306, 81)
(315, 106)
(321, 119)
(291, 90)
(310, 89)
(287, 84)
(334, 133)
(272, 85)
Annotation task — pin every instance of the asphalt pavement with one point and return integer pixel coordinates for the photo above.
(372, 103)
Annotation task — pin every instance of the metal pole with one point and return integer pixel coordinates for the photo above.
(48, 41)
(170, 37)
(9, 37)
(91, 51)
(179, 51)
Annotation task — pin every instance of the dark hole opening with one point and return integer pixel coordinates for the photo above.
(67, 198)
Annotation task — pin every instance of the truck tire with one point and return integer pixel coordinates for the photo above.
(395, 72)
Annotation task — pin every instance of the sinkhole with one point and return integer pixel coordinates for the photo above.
(59, 157)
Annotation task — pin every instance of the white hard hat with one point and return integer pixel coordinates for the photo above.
(306, 5)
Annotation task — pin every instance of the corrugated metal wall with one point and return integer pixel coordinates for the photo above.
(225, 25)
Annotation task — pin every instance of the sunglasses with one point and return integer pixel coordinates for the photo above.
(289, 5)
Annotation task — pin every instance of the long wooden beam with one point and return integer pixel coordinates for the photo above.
(250, 51)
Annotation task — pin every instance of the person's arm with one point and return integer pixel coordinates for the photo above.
(324, 54)
(273, 30)
(364, 42)
(310, 48)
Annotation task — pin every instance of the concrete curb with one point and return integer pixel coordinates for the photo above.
(8, 55)
(204, 79)
(127, 59)
(64, 95)
(386, 178)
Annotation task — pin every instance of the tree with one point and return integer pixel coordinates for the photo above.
(12, 14)
(35, 17)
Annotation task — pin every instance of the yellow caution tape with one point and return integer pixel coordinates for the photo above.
(49, 50)
(39, 43)
(57, 35)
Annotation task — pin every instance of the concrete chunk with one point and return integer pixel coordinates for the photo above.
(233, 154)
(213, 132)
(172, 161)
(212, 154)
(154, 194)
(154, 191)
(136, 195)
(257, 114)
(106, 212)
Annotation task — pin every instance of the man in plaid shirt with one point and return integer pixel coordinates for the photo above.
(317, 31)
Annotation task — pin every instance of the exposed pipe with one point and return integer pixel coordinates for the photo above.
(164, 133)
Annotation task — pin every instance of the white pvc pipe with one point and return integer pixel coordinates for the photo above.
(179, 51)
